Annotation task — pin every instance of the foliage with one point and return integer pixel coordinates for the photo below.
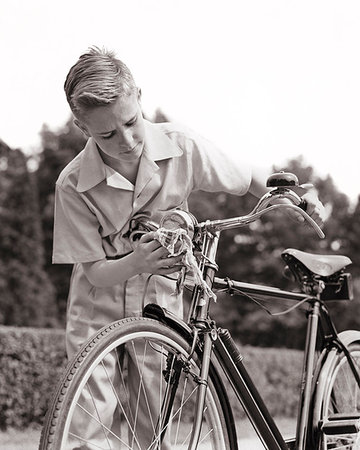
(251, 254)
(59, 148)
(31, 362)
(276, 374)
(26, 294)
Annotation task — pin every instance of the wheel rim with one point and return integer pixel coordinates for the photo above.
(138, 420)
(343, 396)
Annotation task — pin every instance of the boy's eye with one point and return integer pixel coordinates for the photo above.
(109, 136)
(132, 121)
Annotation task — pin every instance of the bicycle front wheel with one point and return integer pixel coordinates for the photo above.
(341, 399)
(133, 386)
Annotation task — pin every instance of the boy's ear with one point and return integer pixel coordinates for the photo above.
(82, 127)
(139, 94)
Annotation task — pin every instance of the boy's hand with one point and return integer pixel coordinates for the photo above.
(151, 257)
(314, 207)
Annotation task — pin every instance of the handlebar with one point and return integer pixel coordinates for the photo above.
(280, 182)
(264, 206)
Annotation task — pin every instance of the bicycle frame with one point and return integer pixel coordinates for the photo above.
(220, 343)
(217, 344)
(230, 359)
(197, 354)
(244, 387)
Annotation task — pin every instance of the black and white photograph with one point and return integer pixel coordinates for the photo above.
(179, 225)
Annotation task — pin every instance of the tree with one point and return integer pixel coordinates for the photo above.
(26, 293)
(59, 148)
(253, 254)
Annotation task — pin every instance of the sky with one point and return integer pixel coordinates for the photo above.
(266, 80)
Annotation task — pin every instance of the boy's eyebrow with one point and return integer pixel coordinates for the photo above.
(111, 131)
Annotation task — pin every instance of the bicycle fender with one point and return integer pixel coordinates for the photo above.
(349, 336)
(327, 365)
(157, 312)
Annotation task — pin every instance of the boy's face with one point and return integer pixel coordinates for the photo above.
(117, 128)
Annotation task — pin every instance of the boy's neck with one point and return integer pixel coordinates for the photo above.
(128, 169)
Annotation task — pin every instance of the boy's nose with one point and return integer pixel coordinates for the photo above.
(127, 138)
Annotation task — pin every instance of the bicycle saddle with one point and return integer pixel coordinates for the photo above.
(323, 265)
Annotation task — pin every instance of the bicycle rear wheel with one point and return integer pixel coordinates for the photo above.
(118, 393)
(341, 399)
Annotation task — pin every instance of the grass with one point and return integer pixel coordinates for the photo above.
(29, 439)
(20, 439)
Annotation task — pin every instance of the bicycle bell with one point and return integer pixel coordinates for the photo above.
(282, 179)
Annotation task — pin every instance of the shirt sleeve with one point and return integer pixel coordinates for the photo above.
(215, 171)
(76, 230)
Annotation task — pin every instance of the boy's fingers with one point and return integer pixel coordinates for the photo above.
(307, 186)
(168, 270)
(304, 188)
(147, 237)
(152, 243)
(170, 262)
(160, 251)
(174, 259)
(295, 215)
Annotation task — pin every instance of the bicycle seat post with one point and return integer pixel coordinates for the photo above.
(307, 373)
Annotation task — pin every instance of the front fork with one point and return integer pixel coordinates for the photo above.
(201, 391)
(198, 315)
(175, 366)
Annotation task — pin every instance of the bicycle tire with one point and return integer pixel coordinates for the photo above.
(96, 357)
(338, 393)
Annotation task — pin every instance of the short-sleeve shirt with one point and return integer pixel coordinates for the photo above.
(94, 205)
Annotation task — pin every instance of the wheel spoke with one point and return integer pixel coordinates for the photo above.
(97, 413)
(141, 387)
(133, 386)
(103, 426)
(132, 429)
(84, 441)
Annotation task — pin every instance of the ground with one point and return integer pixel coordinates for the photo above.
(29, 439)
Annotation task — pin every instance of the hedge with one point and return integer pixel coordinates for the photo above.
(276, 373)
(32, 362)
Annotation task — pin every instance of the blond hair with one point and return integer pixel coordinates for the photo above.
(98, 78)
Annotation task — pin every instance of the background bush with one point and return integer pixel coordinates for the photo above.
(277, 375)
(34, 292)
(32, 361)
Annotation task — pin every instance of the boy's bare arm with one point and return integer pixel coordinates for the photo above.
(148, 257)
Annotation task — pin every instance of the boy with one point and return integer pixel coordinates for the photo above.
(128, 167)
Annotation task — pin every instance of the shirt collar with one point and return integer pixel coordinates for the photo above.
(114, 179)
(93, 170)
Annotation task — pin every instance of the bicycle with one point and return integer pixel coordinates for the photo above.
(186, 404)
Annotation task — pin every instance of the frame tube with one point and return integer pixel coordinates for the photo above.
(248, 395)
(201, 393)
(308, 371)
